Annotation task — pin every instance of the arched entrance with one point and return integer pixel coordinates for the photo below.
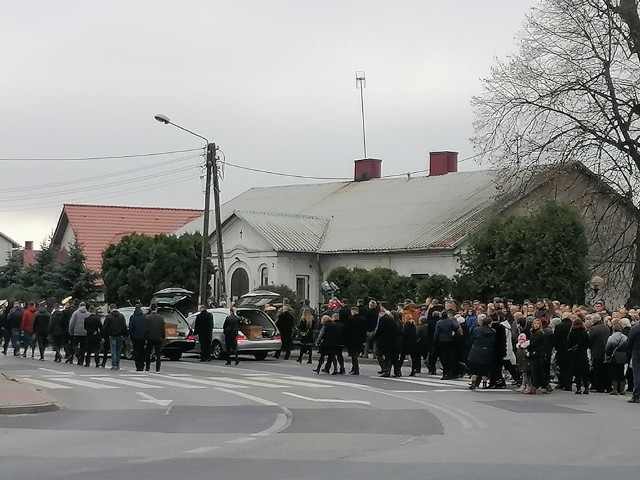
(239, 283)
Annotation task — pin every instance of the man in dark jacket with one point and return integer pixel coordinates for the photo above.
(285, 323)
(154, 336)
(385, 336)
(203, 327)
(93, 326)
(57, 332)
(115, 326)
(496, 380)
(443, 338)
(66, 319)
(41, 328)
(599, 333)
(355, 332)
(230, 329)
(13, 324)
(137, 323)
(633, 344)
(371, 314)
(560, 335)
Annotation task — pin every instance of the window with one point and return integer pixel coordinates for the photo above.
(302, 286)
(264, 276)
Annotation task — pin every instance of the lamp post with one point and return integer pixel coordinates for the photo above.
(212, 170)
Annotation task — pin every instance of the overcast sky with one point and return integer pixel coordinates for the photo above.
(272, 82)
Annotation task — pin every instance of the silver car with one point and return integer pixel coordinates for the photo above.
(258, 334)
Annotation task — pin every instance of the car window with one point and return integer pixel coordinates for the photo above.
(171, 316)
(218, 319)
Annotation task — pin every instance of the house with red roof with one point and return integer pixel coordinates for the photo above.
(95, 227)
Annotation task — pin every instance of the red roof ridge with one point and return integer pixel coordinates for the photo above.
(84, 205)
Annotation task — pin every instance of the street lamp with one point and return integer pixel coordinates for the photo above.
(212, 170)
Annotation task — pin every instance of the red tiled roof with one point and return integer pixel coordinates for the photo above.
(98, 226)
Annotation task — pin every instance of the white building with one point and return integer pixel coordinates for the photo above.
(6, 248)
(295, 235)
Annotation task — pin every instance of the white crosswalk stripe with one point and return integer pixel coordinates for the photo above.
(43, 383)
(150, 381)
(427, 382)
(82, 383)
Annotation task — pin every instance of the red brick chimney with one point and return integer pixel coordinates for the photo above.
(441, 163)
(366, 169)
(28, 245)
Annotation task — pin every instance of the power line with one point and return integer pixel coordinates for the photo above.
(280, 174)
(97, 177)
(84, 159)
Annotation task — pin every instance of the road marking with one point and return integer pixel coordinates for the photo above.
(248, 397)
(42, 383)
(257, 374)
(212, 383)
(299, 384)
(82, 383)
(282, 420)
(202, 450)
(149, 399)
(241, 440)
(128, 383)
(429, 383)
(168, 383)
(250, 382)
(56, 371)
(328, 400)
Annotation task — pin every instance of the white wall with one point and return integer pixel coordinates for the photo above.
(67, 238)
(5, 249)
(405, 263)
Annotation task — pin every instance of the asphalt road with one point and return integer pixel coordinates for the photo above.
(278, 419)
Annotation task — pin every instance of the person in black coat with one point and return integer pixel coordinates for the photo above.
(423, 342)
(355, 332)
(577, 346)
(409, 346)
(560, 335)
(371, 314)
(385, 336)
(482, 346)
(57, 331)
(230, 329)
(93, 326)
(203, 327)
(599, 333)
(496, 380)
(41, 327)
(285, 323)
(537, 351)
(328, 341)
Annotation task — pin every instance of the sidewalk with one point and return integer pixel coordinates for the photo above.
(18, 398)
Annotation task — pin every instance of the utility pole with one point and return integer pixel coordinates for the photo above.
(221, 284)
(204, 253)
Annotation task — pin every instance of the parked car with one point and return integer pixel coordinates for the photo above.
(177, 330)
(258, 334)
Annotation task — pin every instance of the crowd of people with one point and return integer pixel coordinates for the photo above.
(78, 333)
(536, 346)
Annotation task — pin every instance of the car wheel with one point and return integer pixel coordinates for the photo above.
(216, 351)
(174, 356)
(261, 355)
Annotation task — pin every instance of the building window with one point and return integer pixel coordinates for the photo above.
(302, 286)
(264, 276)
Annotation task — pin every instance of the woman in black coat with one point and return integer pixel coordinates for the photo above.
(328, 342)
(481, 358)
(537, 349)
(409, 346)
(577, 346)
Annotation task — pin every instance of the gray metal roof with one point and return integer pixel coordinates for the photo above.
(377, 215)
(13, 243)
(286, 232)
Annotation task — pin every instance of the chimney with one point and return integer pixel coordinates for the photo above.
(441, 163)
(366, 169)
(28, 245)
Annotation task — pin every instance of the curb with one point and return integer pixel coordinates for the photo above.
(28, 408)
(31, 404)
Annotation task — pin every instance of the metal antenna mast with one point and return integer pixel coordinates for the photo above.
(361, 82)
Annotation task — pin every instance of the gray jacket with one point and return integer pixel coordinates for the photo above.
(76, 324)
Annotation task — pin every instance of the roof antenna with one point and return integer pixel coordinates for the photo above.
(361, 82)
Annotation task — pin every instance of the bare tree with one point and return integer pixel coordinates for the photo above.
(570, 94)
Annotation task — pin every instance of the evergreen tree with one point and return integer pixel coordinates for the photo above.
(75, 278)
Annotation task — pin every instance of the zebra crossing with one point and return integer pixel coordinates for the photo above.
(434, 384)
(72, 380)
